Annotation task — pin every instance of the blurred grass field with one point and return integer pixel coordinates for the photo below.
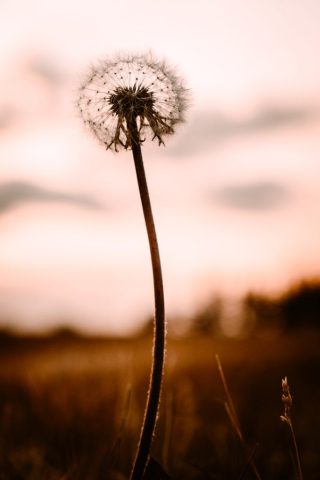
(64, 398)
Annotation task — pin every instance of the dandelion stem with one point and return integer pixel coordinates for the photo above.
(153, 400)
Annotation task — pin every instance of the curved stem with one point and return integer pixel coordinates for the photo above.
(153, 400)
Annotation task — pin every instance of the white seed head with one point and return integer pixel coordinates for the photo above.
(129, 97)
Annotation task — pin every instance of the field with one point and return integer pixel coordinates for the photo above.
(71, 407)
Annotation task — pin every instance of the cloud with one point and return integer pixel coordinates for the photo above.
(48, 68)
(12, 194)
(207, 129)
(7, 116)
(260, 196)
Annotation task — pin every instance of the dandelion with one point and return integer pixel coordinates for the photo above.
(123, 101)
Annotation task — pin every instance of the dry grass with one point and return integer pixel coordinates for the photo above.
(286, 418)
(64, 406)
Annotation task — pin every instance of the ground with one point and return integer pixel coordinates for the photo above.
(71, 407)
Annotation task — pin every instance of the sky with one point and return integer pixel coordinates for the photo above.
(235, 192)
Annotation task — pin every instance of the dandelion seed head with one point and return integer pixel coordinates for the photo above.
(128, 98)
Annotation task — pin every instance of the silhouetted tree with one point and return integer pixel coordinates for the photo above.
(263, 312)
(300, 306)
(207, 320)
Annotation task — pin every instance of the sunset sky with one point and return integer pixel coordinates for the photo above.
(235, 193)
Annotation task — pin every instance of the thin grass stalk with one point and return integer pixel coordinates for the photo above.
(226, 389)
(295, 468)
(167, 434)
(105, 469)
(296, 452)
(231, 412)
(286, 418)
(249, 462)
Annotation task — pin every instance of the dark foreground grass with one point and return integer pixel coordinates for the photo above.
(65, 403)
